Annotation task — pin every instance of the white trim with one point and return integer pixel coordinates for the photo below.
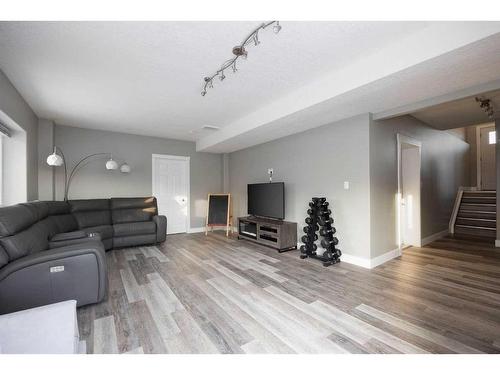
(478, 152)
(196, 230)
(433, 237)
(171, 157)
(456, 208)
(357, 261)
(377, 261)
(373, 262)
(188, 182)
(400, 139)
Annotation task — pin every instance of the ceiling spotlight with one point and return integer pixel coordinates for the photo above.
(277, 27)
(239, 51)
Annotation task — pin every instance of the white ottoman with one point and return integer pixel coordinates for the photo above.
(51, 329)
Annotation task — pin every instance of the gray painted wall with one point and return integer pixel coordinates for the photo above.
(16, 108)
(444, 167)
(45, 172)
(315, 163)
(94, 181)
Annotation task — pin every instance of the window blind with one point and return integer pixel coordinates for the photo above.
(4, 130)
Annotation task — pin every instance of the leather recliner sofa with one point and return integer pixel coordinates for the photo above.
(54, 251)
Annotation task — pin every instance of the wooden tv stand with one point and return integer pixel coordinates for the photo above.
(278, 234)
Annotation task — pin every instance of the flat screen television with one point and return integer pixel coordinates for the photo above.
(267, 200)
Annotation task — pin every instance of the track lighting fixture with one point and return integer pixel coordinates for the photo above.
(486, 105)
(239, 51)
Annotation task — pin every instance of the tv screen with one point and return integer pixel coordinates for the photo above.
(267, 200)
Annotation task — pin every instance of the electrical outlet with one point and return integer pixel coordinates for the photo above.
(270, 171)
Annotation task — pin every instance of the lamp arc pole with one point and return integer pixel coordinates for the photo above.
(67, 184)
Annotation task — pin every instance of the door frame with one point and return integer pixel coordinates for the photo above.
(155, 157)
(479, 181)
(400, 140)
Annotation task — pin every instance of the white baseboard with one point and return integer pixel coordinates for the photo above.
(357, 261)
(202, 229)
(196, 230)
(434, 237)
(377, 261)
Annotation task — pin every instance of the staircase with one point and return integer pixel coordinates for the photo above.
(476, 215)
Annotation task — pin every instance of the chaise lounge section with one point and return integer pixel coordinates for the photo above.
(55, 251)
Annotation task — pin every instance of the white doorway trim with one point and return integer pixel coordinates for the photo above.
(155, 157)
(400, 140)
(478, 152)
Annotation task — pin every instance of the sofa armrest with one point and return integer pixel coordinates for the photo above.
(68, 236)
(161, 227)
(63, 243)
(71, 272)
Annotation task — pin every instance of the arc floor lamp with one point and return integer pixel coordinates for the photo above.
(57, 160)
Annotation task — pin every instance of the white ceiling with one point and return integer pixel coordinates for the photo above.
(146, 77)
(458, 113)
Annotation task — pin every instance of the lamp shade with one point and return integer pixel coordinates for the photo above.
(125, 168)
(111, 164)
(54, 160)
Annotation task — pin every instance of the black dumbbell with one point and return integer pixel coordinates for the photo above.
(325, 213)
(309, 238)
(328, 244)
(327, 231)
(310, 221)
(324, 220)
(311, 229)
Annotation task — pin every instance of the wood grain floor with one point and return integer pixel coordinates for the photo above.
(198, 294)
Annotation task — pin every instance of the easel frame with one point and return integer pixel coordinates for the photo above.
(228, 223)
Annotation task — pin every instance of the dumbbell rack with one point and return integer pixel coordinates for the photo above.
(319, 219)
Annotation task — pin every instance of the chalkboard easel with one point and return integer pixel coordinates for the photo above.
(218, 212)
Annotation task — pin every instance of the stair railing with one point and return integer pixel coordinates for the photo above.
(456, 206)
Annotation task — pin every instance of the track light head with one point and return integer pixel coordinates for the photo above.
(277, 27)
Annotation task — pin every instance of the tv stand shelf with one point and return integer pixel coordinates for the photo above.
(278, 234)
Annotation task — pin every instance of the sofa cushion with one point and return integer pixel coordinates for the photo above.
(14, 219)
(131, 215)
(124, 203)
(106, 231)
(80, 205)
(133, 229)
(64, 223)
(58, 207)
(129, 210)
(92, 218)
(39, 209)
(91, 212)
(4, 258)
(29, 241)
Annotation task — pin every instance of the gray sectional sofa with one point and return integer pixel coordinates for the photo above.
(55, 251)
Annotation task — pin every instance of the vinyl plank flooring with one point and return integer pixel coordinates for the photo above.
(212, 294)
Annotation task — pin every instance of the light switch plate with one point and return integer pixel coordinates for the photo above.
(346, 185)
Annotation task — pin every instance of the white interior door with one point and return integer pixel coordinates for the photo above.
(487, 158)
(171, 189)
(409, 189)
